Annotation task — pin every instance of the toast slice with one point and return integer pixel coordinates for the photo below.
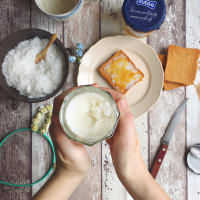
(168, 85)
(120, 72)
(181, 65)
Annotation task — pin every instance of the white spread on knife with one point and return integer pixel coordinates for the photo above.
(89, 115)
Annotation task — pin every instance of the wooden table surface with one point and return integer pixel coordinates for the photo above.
(26, 157)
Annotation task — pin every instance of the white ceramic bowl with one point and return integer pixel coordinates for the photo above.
(60, 9)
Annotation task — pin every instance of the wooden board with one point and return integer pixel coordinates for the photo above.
(72, 30)
(172, 173)
(15, 156)
(111, 24)
(85, 29)
(72, 35)
(41, 152)
(102, 182)
(193, 107)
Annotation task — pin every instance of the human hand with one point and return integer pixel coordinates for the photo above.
(72, 157)
(124, 145)
(72, 160)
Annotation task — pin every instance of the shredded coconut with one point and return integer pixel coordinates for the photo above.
(30, 79)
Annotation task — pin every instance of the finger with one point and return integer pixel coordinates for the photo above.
(55, 129)
(115, 94)
(123, 106)
(111, 91)
(60, 138)
(95, 85)
(126, 120)
(110, 141)
(56, 107)
(120, 100)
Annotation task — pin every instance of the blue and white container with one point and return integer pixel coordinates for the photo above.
(141, 17)
(60, 9)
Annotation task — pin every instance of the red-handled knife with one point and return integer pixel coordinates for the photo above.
(166, 139)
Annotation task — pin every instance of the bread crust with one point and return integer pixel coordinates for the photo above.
(168, 85)
(181, 65)
(108, 77)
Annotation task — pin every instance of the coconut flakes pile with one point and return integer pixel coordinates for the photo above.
(30, 79)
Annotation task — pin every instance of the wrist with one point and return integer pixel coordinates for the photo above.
(64, 174)
(141, 181)
(61, 185)
(137, 179)
(134, 169)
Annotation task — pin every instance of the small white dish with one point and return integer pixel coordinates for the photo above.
(193, 159)
(60, 9)
(142, 96)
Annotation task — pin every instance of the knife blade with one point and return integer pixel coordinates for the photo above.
(167, 137)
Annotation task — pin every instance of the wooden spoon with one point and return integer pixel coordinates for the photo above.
(42, 55)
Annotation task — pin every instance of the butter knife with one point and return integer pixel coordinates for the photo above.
(166, 139)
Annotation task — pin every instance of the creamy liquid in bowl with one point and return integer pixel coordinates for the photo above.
(57, 6)
(90, 115)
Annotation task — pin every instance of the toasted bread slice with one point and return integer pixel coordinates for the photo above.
(171, 86)
(197, 87)
(181, 65)
(120, 72)
(168, 85)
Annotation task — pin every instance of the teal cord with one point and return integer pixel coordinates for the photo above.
(52, 163)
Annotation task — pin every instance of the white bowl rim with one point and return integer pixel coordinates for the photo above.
(67, 14)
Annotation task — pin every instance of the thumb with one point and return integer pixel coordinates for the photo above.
(123, 106)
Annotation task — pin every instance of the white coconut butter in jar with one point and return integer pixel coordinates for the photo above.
(89, 115)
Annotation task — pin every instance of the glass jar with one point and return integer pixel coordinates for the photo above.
(89, 115)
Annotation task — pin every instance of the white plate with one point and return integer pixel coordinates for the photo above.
(143, 95)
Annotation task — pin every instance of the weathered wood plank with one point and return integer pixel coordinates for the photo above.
(16, 154)
(111, 24)
(111, 18)
(41, 152)
(193, 107)
(172, 173)
(85, 28)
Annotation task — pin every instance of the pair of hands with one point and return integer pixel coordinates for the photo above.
(73, 158)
